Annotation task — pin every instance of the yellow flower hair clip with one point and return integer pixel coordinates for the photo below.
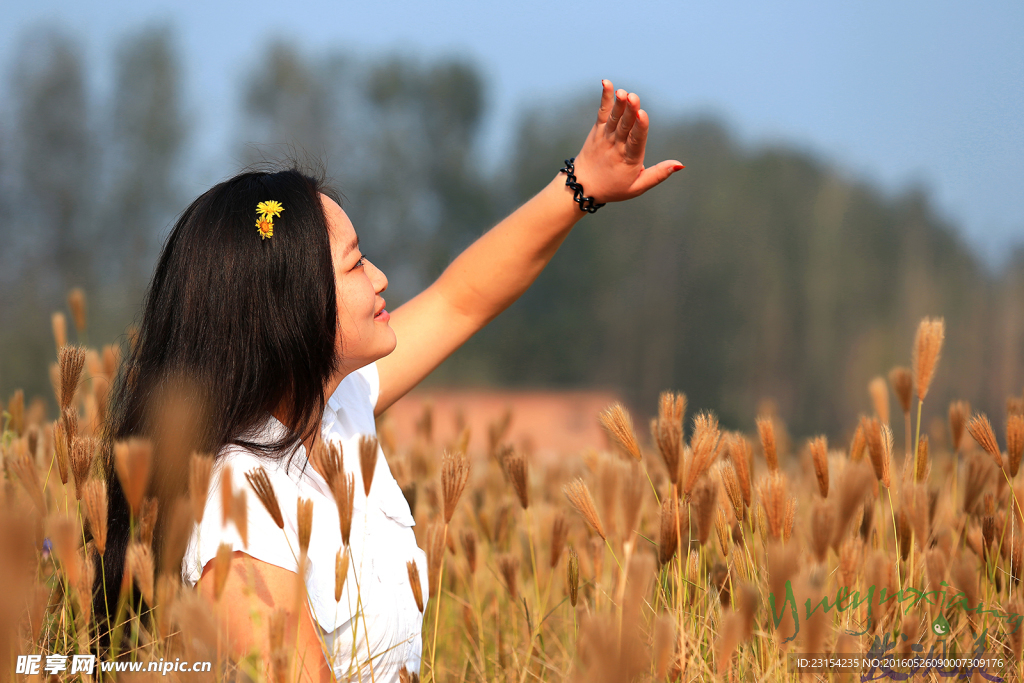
(267, 211)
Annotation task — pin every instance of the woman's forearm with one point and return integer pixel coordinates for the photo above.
(497, 268)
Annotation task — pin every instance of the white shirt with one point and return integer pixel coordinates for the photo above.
(388, 626)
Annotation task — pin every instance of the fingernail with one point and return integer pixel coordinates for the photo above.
(680, 167)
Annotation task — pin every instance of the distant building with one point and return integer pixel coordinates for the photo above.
(543, 423)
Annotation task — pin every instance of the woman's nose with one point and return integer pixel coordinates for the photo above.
(378, 278)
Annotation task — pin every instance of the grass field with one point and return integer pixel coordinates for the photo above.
(685, 552)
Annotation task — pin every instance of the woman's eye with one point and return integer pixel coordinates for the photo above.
(361, 262)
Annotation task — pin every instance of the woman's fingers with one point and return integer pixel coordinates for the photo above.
(628, 117)
(655, 175)
(636, 141)
(607, 100)
(613, 118)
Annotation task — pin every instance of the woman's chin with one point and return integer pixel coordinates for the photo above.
(389, 348)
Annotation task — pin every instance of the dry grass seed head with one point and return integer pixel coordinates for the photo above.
(65, 534)
(902, 382)
(23, 465)
(304, 515)
(619, 426)
(723, 531)
(341, 572)
(60, 330)
(199, 474)
(414, 583)
(221, 568)
(879, 398)
(731, 484)
(741, 455)
(367, 460)
(16, 412)
(279, 654)
(981, 429)
(1014, 442)
(668, 540)
(858, 443)
(76, 302)
(878, 448)
(664, 646)
(923, 461)
(822, 529)
(782, 563)
(61, 450)
(132, 460)
(867, 518)
(559, 535)
(147, 520)
(903, 532)
(70, 361)
(327, 459)
(610, 479)
(819, 454)
(435, 555)
(177, 530)
(766, 430)
(518, 475)
(705, 497)
(776, 504)
(572, 574)
(343, 486)
(935, 567)
(850, 560)
(927, 348)
(579, 496)
(979, 474)
(667, 431)
(259, 480)
(958, 412)
(964, 575)
(140, 563)
(240, 515)
(508, 564)
(1016, 634)
(454, 475)
(94, 504)
(632, 498)
(469, 549)
(879, 572)
(704, 448)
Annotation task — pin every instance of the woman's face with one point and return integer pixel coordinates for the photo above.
(364, 334)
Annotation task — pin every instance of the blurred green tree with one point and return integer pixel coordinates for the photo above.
(146, 135)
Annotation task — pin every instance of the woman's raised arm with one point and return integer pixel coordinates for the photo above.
(496, 269)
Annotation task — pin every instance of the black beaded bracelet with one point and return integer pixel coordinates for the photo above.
(586, 203)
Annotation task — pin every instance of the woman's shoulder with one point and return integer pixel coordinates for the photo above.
(232, 515)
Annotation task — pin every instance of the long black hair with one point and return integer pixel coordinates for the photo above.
(234, 327)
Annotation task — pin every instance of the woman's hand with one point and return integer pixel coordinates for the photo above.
(489, 275)
(611, 164)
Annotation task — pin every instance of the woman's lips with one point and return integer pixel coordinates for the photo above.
(383, 316)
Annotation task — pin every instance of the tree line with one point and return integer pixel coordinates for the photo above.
(757, 273)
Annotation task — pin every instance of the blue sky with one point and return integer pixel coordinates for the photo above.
(897, 93)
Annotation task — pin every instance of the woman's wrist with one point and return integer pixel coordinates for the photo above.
(563, 198)
(587, 203)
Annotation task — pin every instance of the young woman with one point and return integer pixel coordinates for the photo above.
(278, 329)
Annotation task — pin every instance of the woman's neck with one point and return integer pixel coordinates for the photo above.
(282, 415)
